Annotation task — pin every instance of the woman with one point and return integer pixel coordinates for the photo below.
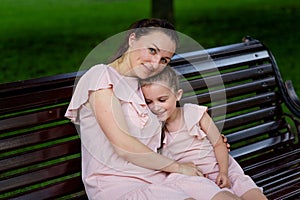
(119, 133)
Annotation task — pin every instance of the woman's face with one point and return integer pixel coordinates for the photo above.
(161, 100)
(149, 54)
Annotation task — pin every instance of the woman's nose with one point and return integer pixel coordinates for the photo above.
(156, 61)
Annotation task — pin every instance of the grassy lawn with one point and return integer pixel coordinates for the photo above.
(40, 38)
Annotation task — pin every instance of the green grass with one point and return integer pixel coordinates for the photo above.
(40, 38)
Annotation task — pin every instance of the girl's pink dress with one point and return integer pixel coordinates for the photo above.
(190, 144)
(104, 173)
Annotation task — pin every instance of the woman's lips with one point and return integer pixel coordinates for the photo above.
(148, 68)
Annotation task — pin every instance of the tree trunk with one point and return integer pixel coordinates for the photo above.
(163, 9)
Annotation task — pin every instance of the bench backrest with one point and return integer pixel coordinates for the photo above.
(40, 149)
(244, 92)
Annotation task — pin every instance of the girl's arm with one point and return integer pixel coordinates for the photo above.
(109, 114)
(220, 148)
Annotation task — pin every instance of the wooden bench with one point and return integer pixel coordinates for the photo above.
(40, 149)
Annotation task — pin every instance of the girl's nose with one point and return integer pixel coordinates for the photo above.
(156, 108)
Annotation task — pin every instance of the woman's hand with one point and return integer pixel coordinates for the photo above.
(189, 169)
(223, 180)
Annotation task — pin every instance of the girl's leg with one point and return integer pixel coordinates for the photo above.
(225, 195)
(254, 194)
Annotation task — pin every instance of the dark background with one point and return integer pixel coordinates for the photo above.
(41, 38)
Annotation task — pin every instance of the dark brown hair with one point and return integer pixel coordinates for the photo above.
(144, 27)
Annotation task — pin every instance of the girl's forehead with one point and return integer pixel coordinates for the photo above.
(159, 85)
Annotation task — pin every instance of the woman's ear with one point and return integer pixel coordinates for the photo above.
(179, 94)
(131, 39)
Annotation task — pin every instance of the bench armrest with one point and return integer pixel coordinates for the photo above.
(293, 97)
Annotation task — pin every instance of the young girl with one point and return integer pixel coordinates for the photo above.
(191, 136)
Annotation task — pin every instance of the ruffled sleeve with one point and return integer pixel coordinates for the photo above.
(104, 77)
(192, 115)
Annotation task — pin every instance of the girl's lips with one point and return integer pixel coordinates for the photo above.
(161, 115)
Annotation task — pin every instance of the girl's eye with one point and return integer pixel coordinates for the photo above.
(152, 51)
(148, 101)
(162, 100)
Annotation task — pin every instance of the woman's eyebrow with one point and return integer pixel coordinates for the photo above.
(156, 47)
(159, 51)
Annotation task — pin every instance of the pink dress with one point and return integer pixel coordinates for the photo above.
(190, 144)
(104, 173)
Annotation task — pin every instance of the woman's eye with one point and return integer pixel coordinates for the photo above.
(164, 61)
(162, 100)
(152, 51)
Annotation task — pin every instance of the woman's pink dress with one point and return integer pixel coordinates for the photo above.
(104, 173)
(190, 144)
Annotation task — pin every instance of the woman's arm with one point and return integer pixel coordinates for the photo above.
(109, 114)
(220, 148)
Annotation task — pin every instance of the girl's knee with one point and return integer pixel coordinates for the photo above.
(254, 193)
(225, 195)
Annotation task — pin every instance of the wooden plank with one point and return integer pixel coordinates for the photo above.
(261, 129)
(260, 72)
(35, 99)
(265, 99)
(40, 155)
(292, 191)
(32, 118)
(40, 175)
(246, 118)
(37, 137)
(255, 147)
(70, 186)
(262, 85)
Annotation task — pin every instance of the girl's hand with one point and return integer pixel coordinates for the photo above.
(225, 141)
(223, 180)
(189, 169)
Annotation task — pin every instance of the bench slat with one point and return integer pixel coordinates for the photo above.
(40, 155)
(246, 103)
(291, 191)
(33, 118)
(37, 137)
(32, 177)
(35, 99)
(264, 70)
(233, 91)
(73, 185)
(243, 119)
(258, 146)
(206, 65)
(260, 129)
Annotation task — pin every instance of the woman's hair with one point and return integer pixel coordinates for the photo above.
(144, 27)
(168, 76)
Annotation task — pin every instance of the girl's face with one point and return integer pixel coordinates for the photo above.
(161, 100)
(149, 54)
